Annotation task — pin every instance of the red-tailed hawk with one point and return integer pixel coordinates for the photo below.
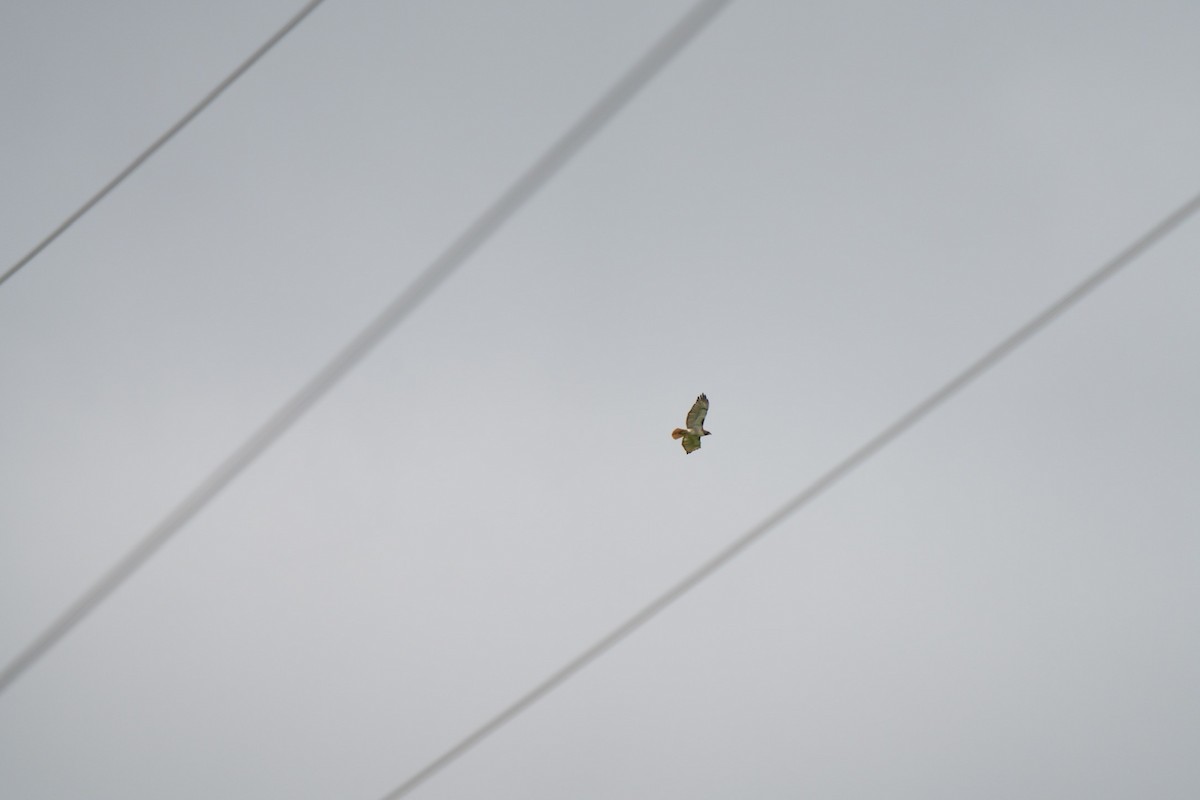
(695, 426)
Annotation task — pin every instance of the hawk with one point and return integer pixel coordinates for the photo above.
(695, 426)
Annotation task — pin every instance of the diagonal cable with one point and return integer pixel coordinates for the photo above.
(840, 470)
(536, 176)
(144, 156)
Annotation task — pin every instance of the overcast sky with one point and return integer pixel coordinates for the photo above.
(816, 215)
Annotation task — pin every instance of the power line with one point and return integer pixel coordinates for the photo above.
(828, 479)
(570, 143)
(204, 103)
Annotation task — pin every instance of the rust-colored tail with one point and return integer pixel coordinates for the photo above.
(678, 433)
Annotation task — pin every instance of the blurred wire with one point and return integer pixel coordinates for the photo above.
(611, 102)
(828, 479)
(166, 137)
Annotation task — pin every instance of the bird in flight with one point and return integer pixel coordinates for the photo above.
(695, 426)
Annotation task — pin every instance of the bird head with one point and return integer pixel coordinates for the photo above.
(705, 433)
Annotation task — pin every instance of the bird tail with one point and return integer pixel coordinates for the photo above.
(678, 433)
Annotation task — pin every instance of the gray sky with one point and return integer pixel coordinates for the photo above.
(816, 215)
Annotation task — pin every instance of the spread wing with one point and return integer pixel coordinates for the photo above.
(695, 417)
(690, 442)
